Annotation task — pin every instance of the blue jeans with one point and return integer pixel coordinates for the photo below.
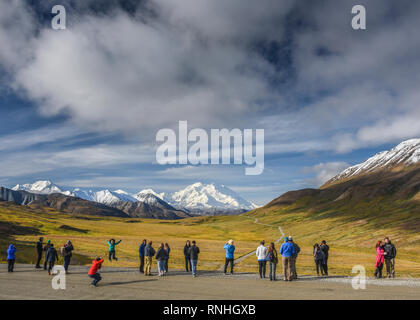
(187, 262)
(67, 262)
(96, 278)
(194, 266)
(161, 265)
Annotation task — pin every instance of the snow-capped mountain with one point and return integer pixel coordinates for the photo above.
(199, 196)
(149, 196)
(106, 196)
(40, 187)
(404, 154)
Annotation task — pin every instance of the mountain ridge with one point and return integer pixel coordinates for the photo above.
(405, 154)
(197, 198)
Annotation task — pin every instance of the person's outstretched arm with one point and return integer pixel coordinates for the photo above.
(117, 242)
(109, 243)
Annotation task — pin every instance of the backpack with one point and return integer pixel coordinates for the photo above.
(63, 252)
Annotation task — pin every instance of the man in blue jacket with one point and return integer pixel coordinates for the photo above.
(11, 258)
(141, 255)
(230, 250)
(287, 250)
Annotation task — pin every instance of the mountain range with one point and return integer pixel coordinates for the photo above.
(195, 199)
(391, 178)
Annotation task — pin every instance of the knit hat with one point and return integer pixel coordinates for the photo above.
(290, 238)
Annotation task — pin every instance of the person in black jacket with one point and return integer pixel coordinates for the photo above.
(66, 252)
(390, 254)
(187, 255)
(194, 252)
(294, 258)
(319, 258)
(325, 248)
(149, 252)
(39, 250)
(51, 257)
(168, 250)
(46, 247)
(161, 257)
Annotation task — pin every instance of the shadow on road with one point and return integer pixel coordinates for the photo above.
(117, 283)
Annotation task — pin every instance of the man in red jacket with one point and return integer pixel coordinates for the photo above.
(93, 271)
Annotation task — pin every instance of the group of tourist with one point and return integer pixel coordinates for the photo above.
(147, 252)
(51, 255)
(289, 251)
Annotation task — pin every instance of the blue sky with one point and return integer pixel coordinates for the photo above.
(82, 106)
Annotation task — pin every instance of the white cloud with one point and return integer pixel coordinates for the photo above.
(325, 171)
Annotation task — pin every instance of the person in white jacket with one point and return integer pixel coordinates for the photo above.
(262, 258)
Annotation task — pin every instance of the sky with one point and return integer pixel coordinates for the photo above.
(81, 107)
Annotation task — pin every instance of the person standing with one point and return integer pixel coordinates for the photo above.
(141, 255)
(380, 253)
(287, 250)
(325, 248)
(168, 250)
(390, 254)
(149, 252)
(11, 258)
(93, 271)
(46, 247)
(51, 257)
(262, 259)
(160, 257)
(112, 244)
(319, 258)
(187, 255)
(273, 258)
(230, 250)
(66, 252)
(294, 257)
(194, 252)
(39, 249)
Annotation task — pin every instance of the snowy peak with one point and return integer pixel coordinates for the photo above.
(40, 187)
(106, 197)
(146, 193)
(110, 198)
(149, 196)
(206, 196)
(404, 154)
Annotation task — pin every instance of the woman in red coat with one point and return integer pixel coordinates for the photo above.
(379, 259)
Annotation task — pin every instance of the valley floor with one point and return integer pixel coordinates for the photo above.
(127, 283)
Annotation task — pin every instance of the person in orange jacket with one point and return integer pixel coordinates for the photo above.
(93, 271)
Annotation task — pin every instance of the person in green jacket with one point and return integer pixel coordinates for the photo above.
(112, 244)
